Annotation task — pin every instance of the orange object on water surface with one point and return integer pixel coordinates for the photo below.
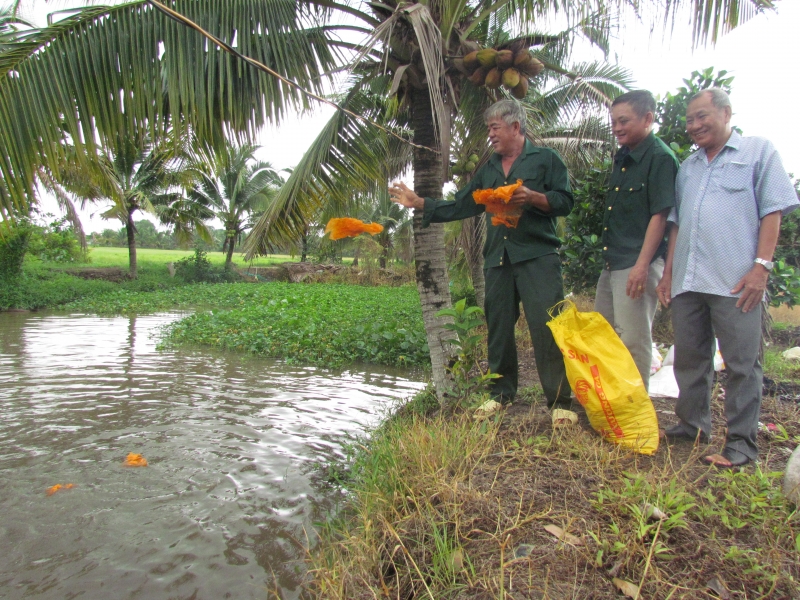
(496, 202)
(57, 487)
(135, 460)
(348, 227)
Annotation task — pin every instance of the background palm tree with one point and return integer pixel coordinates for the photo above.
(233, 186)
(136, 175)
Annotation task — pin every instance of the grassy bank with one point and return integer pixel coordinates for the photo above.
(447, 507)
(48, 285)
(450, 508)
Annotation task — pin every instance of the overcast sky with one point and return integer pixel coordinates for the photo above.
(761, 55)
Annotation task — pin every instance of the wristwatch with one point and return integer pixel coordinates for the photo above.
(767, 264)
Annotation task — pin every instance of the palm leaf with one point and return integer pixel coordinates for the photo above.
(105, 70)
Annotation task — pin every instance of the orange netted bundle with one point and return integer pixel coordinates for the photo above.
(57, 487)
(496, 202)
(135, 460)
(349, 227)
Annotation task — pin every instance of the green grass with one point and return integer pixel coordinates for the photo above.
(778, 368)
(49, 285)
(118, 257)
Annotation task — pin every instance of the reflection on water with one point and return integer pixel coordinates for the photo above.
(233, 443)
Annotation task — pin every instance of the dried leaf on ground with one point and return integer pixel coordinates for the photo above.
(562, 535)
(631, 590)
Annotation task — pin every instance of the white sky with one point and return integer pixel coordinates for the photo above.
(761, 55)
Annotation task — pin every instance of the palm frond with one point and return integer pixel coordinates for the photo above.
(347, 159)
(105, 70)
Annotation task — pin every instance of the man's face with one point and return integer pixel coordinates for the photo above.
(502, 135)
(629, 128)
(707, 125)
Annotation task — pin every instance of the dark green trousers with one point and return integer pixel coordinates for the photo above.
(538, 284)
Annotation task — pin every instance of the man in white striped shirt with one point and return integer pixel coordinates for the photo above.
(729, 199)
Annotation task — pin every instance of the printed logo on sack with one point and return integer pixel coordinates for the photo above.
(610, 417)
(571, 354)
(582, 388)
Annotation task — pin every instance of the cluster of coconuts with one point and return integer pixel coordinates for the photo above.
(466, 165)
(510, 69)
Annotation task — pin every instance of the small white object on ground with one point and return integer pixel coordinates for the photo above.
(655, 361)
(791, 479)
(792, 353)
(487, 409)
(663, 383)
(564, 418)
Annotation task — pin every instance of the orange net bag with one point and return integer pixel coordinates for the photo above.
(135, 460)
(496, 202)
(348, 227)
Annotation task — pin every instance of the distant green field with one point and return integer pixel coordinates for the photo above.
(118, 257)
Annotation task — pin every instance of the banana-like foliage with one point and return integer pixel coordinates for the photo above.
(101, 71)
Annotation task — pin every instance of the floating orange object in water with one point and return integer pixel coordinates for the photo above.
(349, 227)
(496, 202)
(135, 460)
(57, 487)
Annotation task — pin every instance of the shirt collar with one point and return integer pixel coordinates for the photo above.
(734, 141)
(528, 148)
(637, 153)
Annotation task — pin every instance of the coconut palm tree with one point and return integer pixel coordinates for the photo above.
(234, 186)
(136, 175)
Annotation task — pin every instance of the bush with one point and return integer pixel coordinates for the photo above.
(14, 240)
(582, 252)
(55, 242)
(198, 269)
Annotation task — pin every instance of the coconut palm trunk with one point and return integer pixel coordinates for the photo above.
(130, 230)
(229, 256)
(429, 255)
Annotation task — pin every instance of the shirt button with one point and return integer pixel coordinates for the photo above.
(609, 208)
(616, 189)
(505, 182)
(605, 248)
(605, 228)
(505, 237)
(623, 169)
(630, 190)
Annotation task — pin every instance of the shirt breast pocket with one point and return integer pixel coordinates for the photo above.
(631, 196)
(736, 178)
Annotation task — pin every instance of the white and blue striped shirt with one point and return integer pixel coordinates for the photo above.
(718, 209)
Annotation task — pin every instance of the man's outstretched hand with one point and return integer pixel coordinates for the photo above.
(399, 192)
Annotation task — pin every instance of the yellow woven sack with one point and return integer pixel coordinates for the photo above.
(605, 379)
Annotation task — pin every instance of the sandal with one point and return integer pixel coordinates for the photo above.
(729, 459)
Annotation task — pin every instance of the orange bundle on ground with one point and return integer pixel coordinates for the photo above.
(349, 227)
(496, 201)
(135, 460)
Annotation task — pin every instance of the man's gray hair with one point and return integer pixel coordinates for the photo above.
(719, 97)
(510, 111)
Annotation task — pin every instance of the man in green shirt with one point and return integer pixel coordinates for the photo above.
(521, 263)
(640, 195)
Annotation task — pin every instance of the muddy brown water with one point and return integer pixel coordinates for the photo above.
(236, 447)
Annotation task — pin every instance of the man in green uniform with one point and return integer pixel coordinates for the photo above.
(521, 263)
(640, 196)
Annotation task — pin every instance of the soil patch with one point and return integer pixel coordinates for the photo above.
(113, 274)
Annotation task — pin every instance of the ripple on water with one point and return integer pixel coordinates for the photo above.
(229, 495)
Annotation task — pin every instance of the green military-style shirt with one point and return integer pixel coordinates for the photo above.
(641, 185)
(541, 170)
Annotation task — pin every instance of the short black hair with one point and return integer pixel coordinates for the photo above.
(641, 101)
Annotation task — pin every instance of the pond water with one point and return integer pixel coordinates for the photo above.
(235, 447)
